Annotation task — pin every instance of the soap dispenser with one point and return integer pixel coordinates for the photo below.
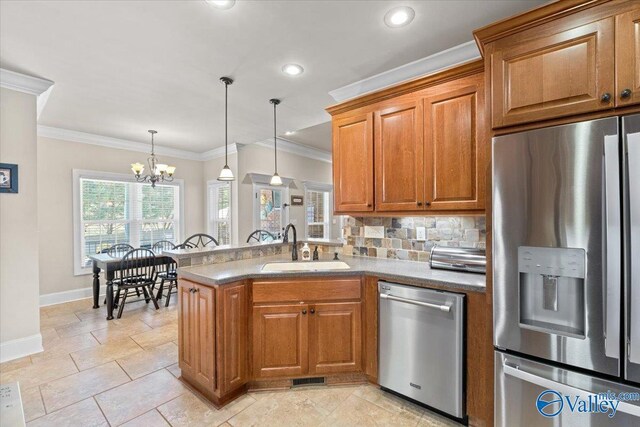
(306, 252)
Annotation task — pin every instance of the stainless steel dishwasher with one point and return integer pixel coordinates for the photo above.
(422, 346)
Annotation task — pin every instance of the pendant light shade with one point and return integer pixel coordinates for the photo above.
(226, 174)
(275, 179)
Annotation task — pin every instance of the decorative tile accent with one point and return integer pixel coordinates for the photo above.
(399, 241)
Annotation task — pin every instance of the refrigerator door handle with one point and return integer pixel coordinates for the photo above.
(633, 152)
(515, 371)
(612, 253)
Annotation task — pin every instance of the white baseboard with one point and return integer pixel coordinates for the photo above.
(20, 347)
(66, 296)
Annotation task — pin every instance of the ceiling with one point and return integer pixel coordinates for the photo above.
(122, 67)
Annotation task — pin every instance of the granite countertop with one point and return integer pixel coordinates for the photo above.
(211, 250)
(405, 272)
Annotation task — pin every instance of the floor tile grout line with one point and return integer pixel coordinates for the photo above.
(101, 411)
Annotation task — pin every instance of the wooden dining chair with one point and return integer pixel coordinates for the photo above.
(200, 240)
(138, 269)
(117, 251)
(261, 236)
(165, 272)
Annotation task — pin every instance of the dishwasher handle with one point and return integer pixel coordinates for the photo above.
(445, 308)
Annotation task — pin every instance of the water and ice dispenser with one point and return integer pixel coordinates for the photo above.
(552, 290)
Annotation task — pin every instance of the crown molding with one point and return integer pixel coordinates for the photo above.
(23, 83)
(106, 141)
(218, 152)
(299, 149)
(439, 61)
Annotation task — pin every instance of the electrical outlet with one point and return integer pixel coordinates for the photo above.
(421, 233)
(374, 231)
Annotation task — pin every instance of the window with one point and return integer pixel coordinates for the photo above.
(317, 211)
(219, 211)
(110, 209)
(269, 211)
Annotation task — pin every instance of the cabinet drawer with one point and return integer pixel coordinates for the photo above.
(320, 289)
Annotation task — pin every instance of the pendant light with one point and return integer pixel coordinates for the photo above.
(275, 179)
(226, 174)
(158, 172)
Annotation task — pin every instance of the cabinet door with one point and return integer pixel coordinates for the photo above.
(233, 336)
(628, 58)
(353, 163)
(454, 145)
(563, 73)
(280, 341)
(186, 319)
(335, 338)
(398, 158)
(204, 340)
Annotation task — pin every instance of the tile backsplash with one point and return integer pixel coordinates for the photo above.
(400, 237)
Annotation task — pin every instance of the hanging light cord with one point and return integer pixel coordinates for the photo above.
(226, 90)
(275, 148)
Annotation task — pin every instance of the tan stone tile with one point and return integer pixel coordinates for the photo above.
(15, 364)
(133, 399)
(48, 335)
(175, 370)
(388, 401)
(74, 388)
(150, 360)
(157, 336)
(356, 411)
(32, 403)
(431, 419)
(98, 313)
(62, 346)
(85, 414)
(59, 320)
(328, 397)
(281, 408)
(117, 330)
(159, 318)
(190, 410)
(94, 356)
(150, 419)
(40, 373)
(66, 308)
(82, 327)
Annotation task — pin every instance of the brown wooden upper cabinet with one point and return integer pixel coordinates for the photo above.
(586, 61)
(353, 163)
(428, 147)
(399, 162)
(628, 58)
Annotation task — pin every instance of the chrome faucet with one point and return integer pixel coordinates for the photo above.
(285, 239)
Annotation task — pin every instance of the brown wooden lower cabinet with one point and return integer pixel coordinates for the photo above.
(264, 334)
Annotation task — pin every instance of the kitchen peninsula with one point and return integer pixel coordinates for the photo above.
(241, 328)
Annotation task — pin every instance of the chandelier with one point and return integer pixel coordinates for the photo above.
(159, 171)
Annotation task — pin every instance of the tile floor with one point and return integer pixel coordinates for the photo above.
(125, 372)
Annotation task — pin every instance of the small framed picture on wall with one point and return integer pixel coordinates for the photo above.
(8, 178)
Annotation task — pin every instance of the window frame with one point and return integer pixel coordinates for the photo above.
(284, 218)
(325, 188)
(77, 175)
(211, 222)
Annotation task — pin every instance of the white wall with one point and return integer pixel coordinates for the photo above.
(19, 272)
(257, 159)
(56, 161)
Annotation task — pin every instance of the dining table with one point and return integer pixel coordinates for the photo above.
(109, 264)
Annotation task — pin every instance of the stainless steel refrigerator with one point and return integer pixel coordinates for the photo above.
(566, 274)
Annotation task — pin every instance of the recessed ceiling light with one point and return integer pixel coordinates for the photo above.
(399, 16)
(292, 69)
(221, 4)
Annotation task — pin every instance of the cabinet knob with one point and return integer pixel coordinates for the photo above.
(191, 290)
(625, 94)
(304, 311)
(427, 203)
(606, 97)
(369, 205)
(419, 203)
(313, 310)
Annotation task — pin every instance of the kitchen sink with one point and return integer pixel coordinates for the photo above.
(305, 266)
